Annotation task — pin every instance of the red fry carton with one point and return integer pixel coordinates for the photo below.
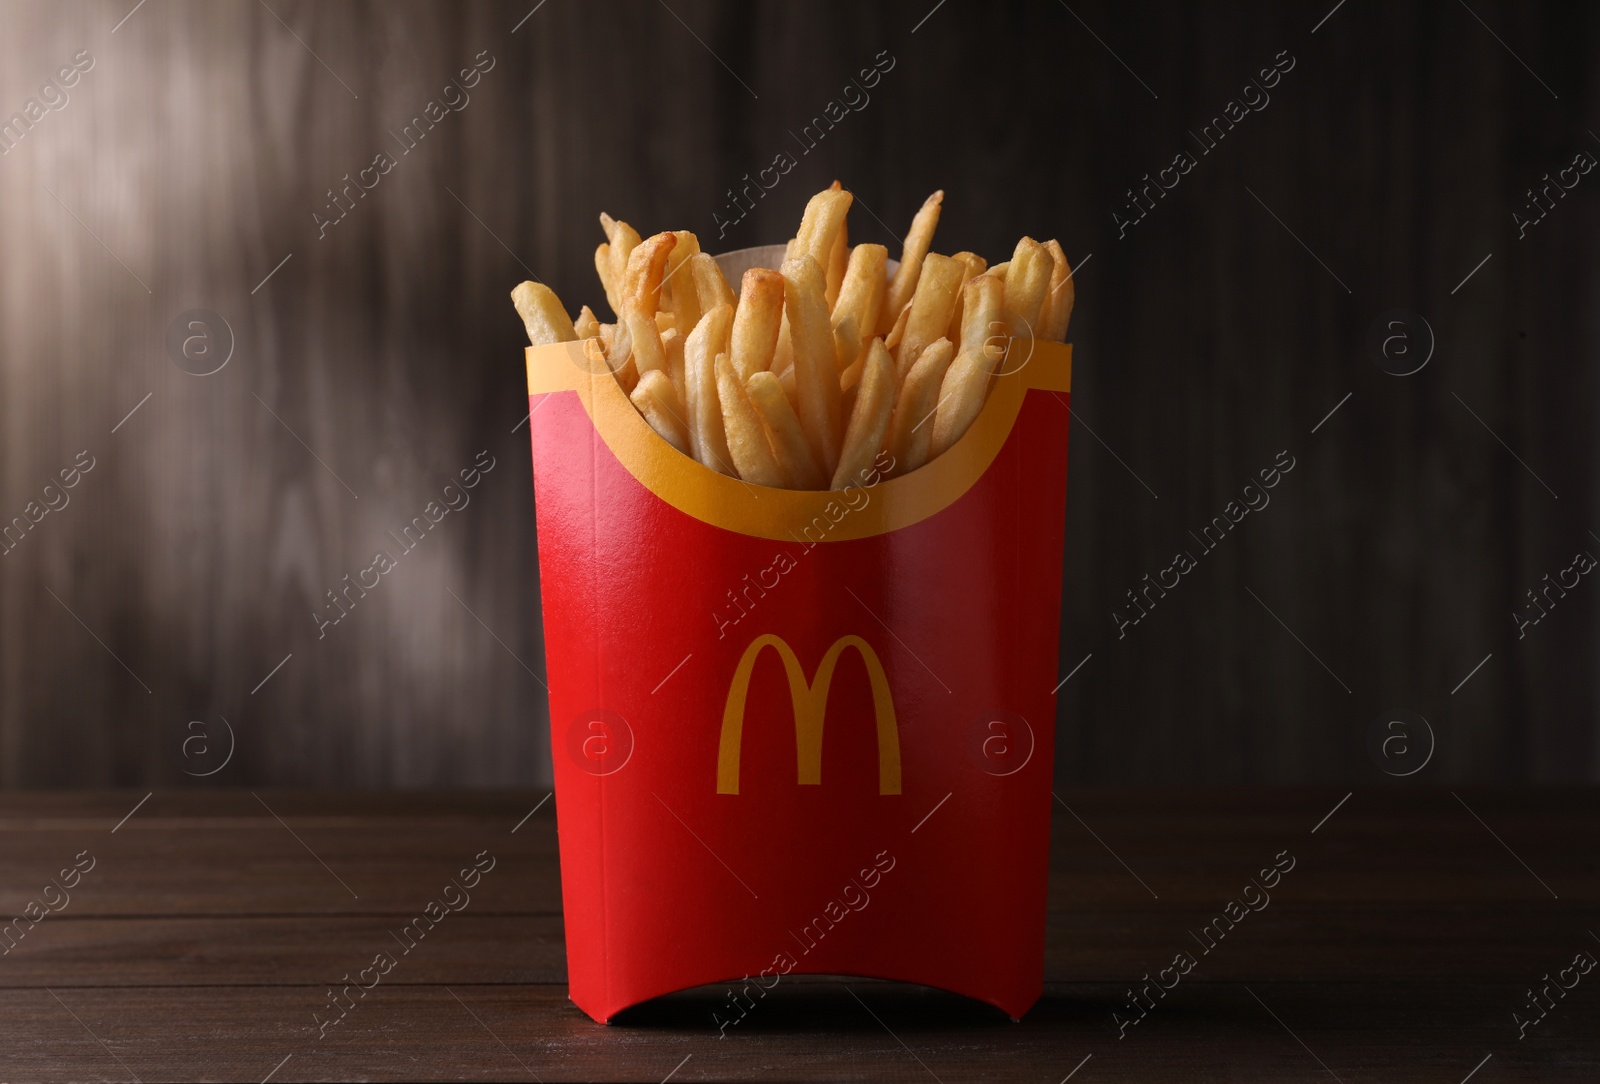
(800, 732)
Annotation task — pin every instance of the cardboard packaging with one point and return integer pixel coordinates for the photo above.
(800, 732)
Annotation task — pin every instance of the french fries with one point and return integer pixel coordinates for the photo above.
(862, 289)
(645, 337)
(708, 441)
(748, 444)
(644, 271)
(656, 400)
(911, 428)
(821, 235)
(602, 268)
(816, 369)
(897, 332)
(1058, 302)
(542, 315)
(931, 309)
(808, 373)
(983, 326)
(686, 307)
(916, 247)
(819, 227)
(869, 419)
(846, 342)
(637, 340)
(756, 321)
(960, 398)
(621, 240)
(788, 436)
(983, 348)
(838, 263)
(687, 245)
(972, 265)
(1027, 281)
(672, 346)
(710, 285)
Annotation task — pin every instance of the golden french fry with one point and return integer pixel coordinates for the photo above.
(688, 244)
(838, 263)
(911, 428)
(861, 292)
(686, 310)
(973, 266)
(869, 420)
(710, 285)
(852, 375)
(748, 445)
(586, 326)
(602, 267)
(931, 307)
(918, 240)
(786, 382)
(976, 265)
(672, 347)
(1027, 281)
(606, 336)
(547, 322)
(655, 398)
(707, 440)
(1057, 311)
(850, 383)
(820, 226)
(624, 239)
(638, 339)
(816, 374)
(648, 353)
(783, 352)
(983, 326)
(897, 331)
(961, 399)
(783, 426)
(646, 267)
(756, 321)
(846, 342)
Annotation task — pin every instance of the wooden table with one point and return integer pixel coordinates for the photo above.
(212, 924)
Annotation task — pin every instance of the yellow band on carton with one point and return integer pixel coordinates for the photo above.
(789, 514)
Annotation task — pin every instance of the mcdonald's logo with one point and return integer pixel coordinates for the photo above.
(810, 701)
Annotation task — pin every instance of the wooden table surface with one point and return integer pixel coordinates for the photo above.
(212, 924)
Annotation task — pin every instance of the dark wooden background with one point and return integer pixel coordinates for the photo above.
(381, 358)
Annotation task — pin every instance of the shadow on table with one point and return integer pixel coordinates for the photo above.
(812, 1003)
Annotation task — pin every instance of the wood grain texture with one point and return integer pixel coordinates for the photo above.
(1395, 949)
(384, 356)
(1413, 1032)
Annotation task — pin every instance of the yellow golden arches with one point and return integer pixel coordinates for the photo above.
(810, 700)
